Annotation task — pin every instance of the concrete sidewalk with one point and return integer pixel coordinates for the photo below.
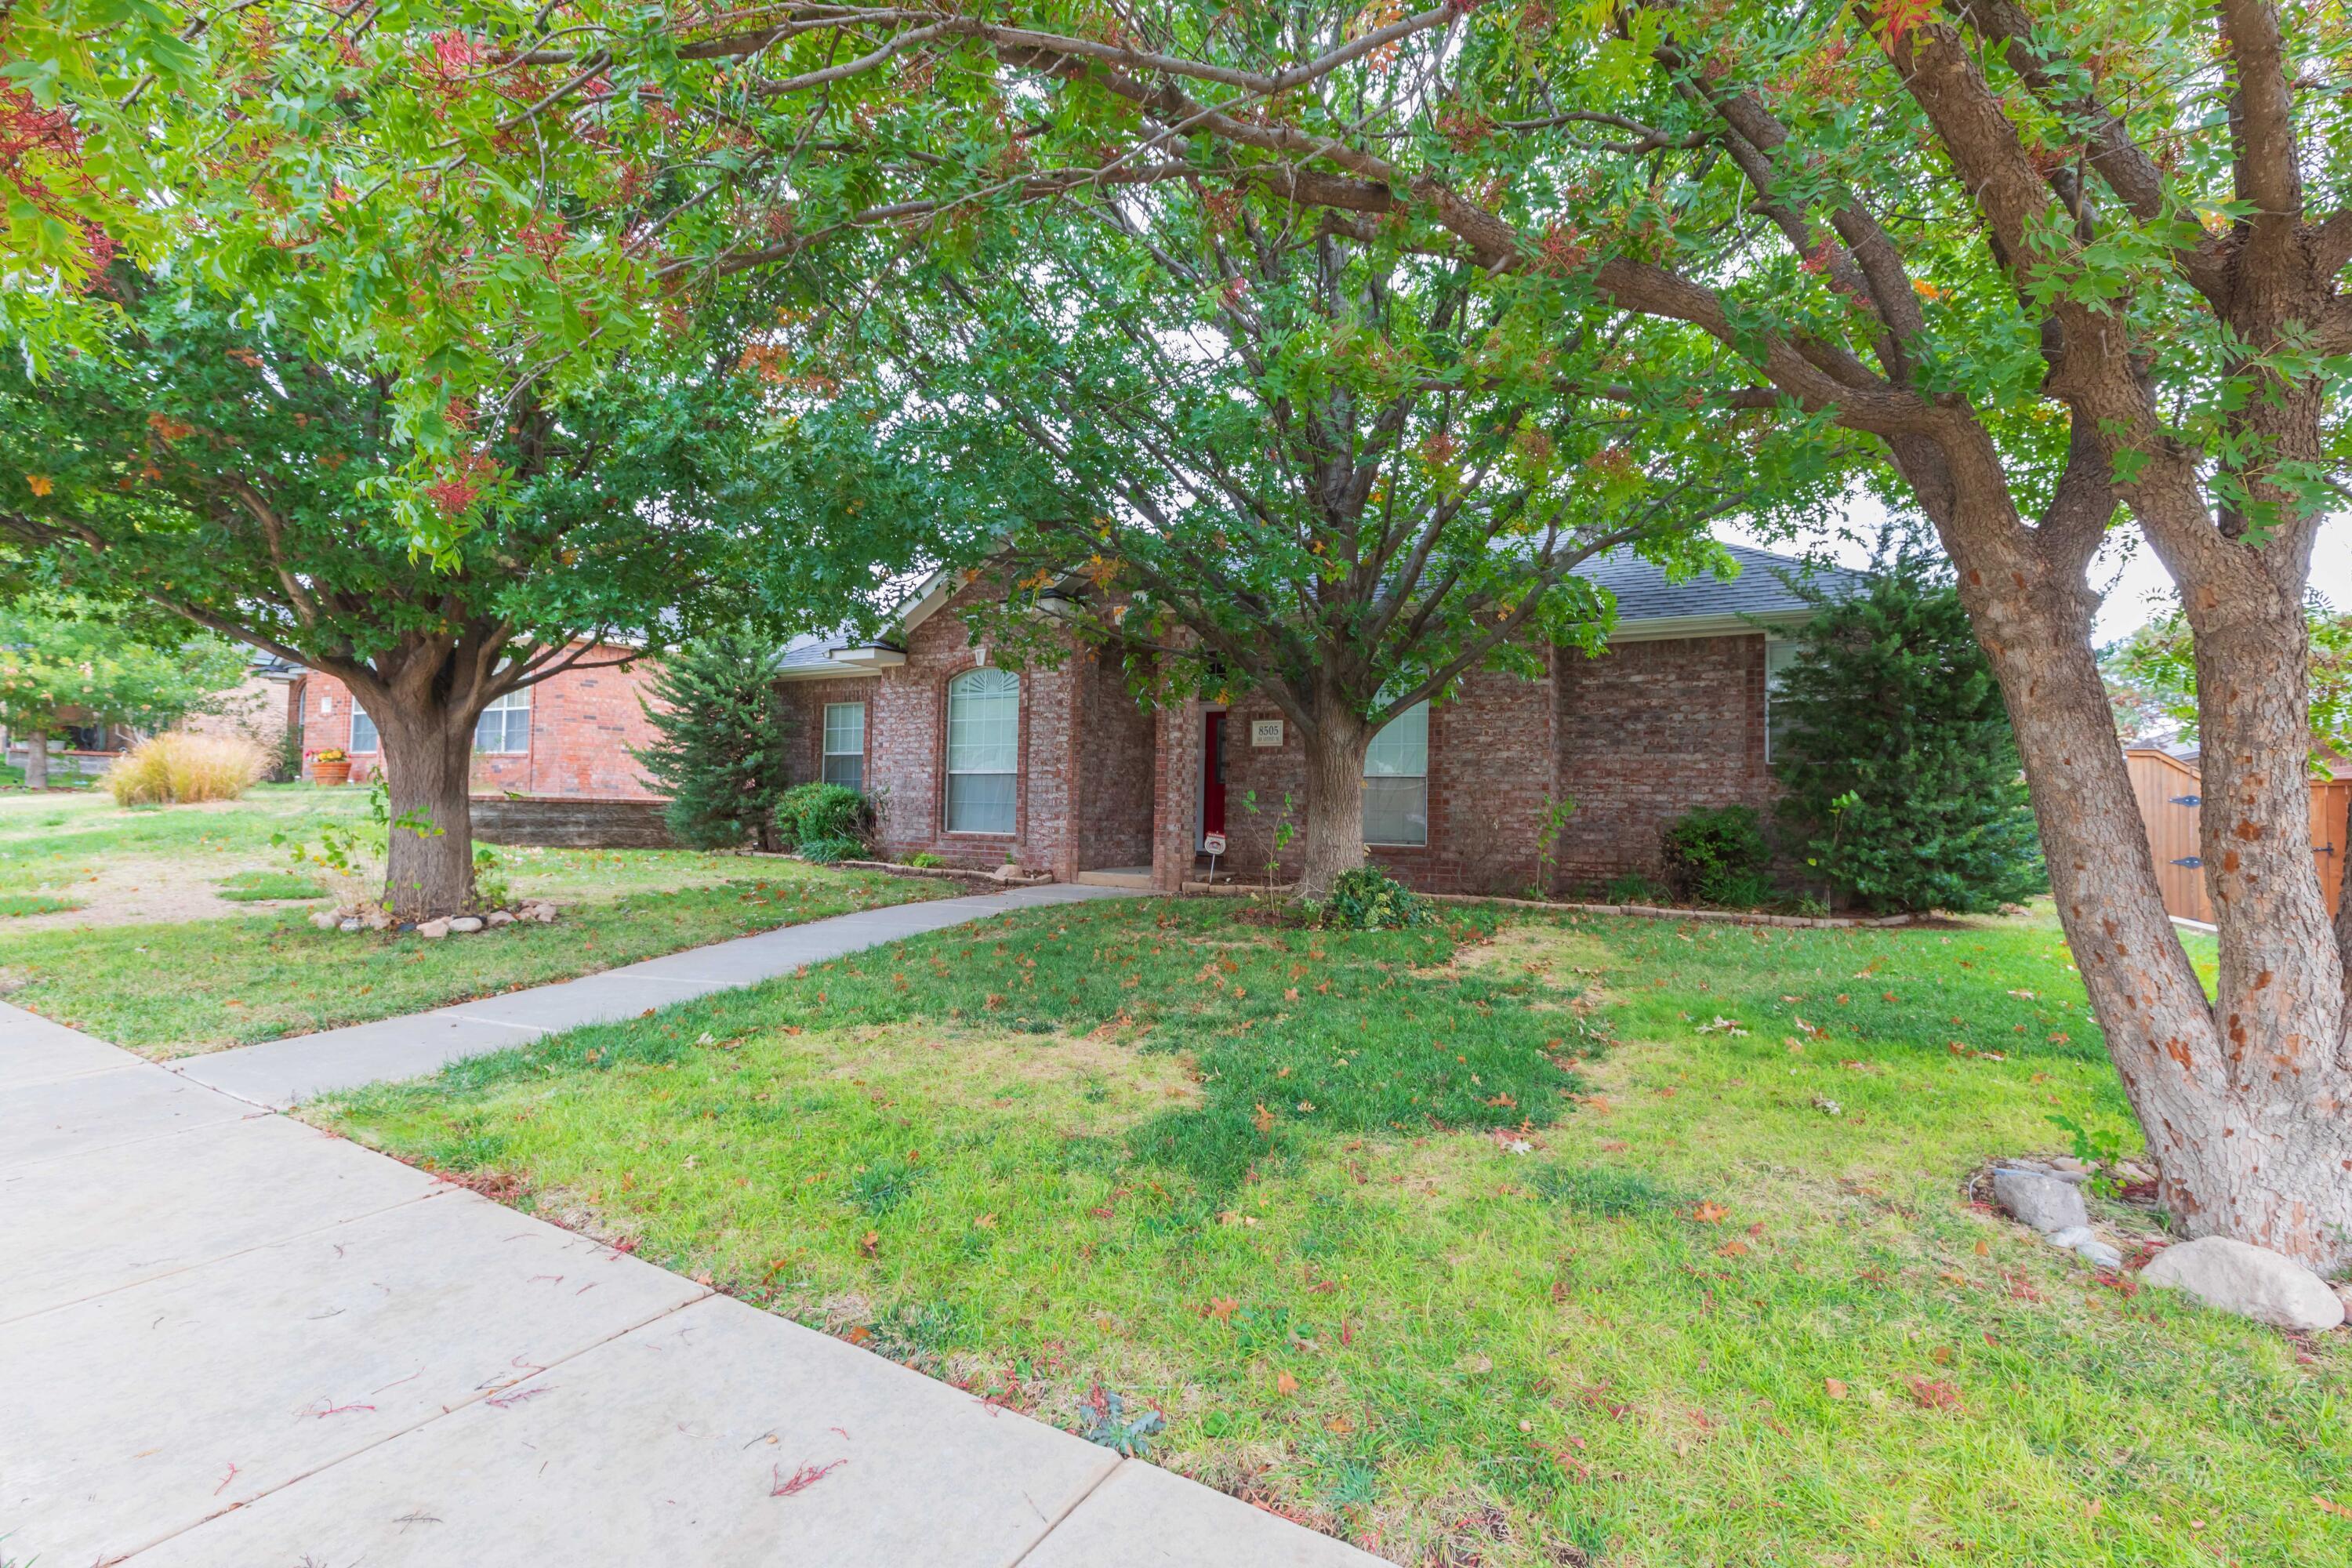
(282, 1073)
(230, 1341)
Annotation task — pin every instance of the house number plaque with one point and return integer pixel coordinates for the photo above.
(1265, 733)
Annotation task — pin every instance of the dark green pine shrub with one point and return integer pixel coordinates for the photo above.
(1904, 786)
(719, 754)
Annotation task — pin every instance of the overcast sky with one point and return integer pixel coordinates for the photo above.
(2135, 586)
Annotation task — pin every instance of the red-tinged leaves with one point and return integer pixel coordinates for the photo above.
(1833, 1388)
(1710, 1213)
(1222, 1309)
(870, 1244)
(1932, 1394)
(1284, 1385)
(800, 1479)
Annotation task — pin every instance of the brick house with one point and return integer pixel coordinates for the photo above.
(1062, 770)
(567, 736)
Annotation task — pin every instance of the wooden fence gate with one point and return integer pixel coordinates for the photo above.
(2167, 789)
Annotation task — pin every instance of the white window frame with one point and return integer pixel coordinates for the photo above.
(375, 736)
(1780, 653)
(505, 706)
(831, 752)
(993, 755)
(1399, 751)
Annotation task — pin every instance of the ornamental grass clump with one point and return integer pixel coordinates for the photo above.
(180, 769)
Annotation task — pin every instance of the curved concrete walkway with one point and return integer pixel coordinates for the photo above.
(228, 1339)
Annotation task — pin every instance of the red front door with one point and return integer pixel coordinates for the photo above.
(1212, 775)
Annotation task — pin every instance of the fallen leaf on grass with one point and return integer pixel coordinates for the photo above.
(1285, 1384)
(2329, 1505)
(1340, 1426)
(1222, 1308)
(870, 1244)
(1833, 1388)
(1264, 1119)
(1709, 1213)
(1933, 1394)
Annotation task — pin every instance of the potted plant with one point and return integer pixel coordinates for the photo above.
(329, 765)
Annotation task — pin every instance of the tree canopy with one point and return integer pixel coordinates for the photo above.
(234, 478)
(65, 660)
(1247, 448)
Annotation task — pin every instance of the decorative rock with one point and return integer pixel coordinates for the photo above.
(436, 930)
(377, 917)
(2085, 1244)
(499, 918)
(2043, 1201)
(2251, 1281)
(2098, 1253)
(466, 925)
(325, 920)
(543, 913)
(352, 925)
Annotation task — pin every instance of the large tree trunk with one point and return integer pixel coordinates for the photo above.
(37, 759)
(1335, 743)
(2244, 1104)
(427, 760)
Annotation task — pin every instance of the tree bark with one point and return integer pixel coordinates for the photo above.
(2243, 1103)
(428, 758)
(1336, 742)
(37, 759)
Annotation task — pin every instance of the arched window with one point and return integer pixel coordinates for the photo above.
(983, 749)
(1396, 780)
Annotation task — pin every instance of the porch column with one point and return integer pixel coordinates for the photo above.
(1175, 791)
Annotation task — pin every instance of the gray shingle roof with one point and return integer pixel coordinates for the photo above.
(1760, 589)
(812, 652)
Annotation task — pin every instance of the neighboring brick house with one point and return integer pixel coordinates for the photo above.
(1062, 770)
(569, 736)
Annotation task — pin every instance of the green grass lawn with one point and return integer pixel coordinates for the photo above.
(13, 904)
(168, 988)
(1484, 1244)
(270, 887)
(51, 843)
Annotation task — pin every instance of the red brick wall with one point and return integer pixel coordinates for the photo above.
(1648, 731)
(1489, 773)
(906, 750)
(1637, 737)
(583, 724)
(1117, 741)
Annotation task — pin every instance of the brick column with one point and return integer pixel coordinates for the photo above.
(1175, 781)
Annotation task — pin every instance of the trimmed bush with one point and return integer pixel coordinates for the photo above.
(183, 769)
(1717, 855)
(813, 813)
(1369, 898)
